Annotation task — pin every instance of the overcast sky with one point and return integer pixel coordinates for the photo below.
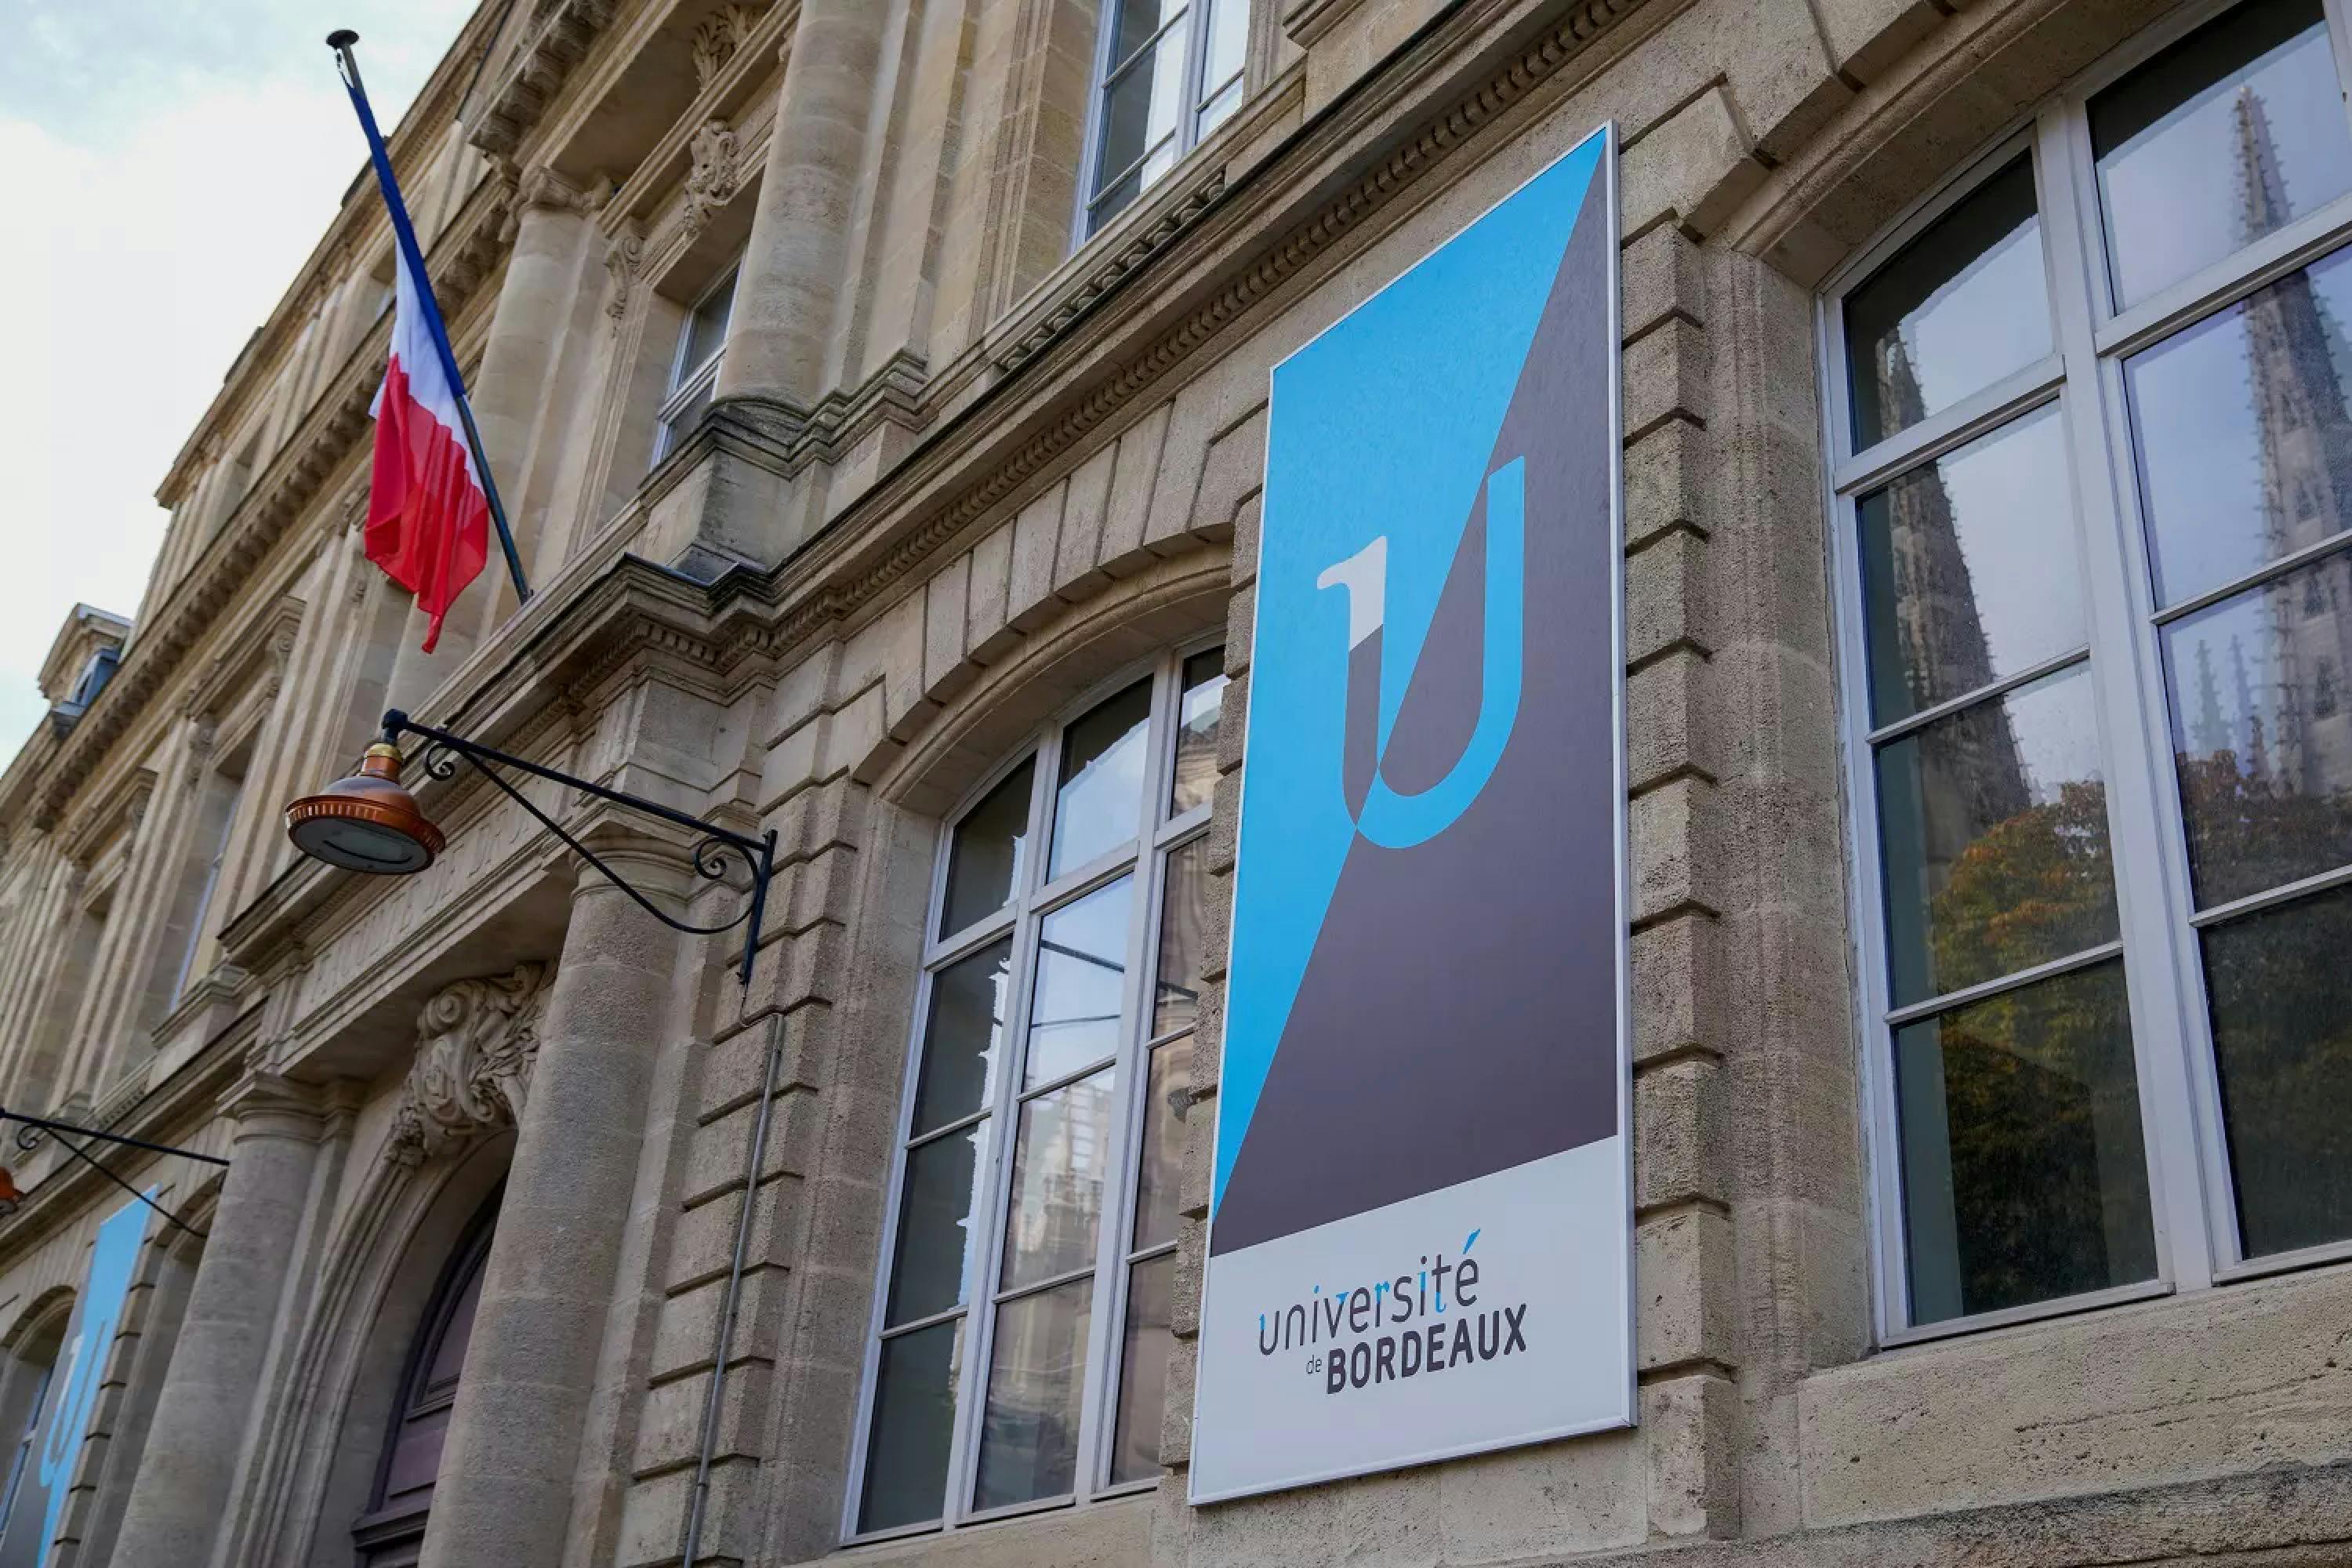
(165, 168)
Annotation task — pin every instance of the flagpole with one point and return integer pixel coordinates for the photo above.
(340, 41)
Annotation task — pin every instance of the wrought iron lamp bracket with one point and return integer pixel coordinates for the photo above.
(713, 854)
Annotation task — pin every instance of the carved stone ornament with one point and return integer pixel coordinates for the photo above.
(476, 1042)
(623, 259)
(717, 175)
(721, 34)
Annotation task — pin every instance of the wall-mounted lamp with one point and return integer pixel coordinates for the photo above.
(28, 1137)
(369, 822)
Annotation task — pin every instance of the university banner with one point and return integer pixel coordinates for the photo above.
(36, 1503)
(1419, 1240)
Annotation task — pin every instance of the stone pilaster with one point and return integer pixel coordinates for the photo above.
(183, 1491)
(507, 1469)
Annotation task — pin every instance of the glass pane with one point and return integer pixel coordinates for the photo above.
(1197, 714)
(1144, 105)
(1143, 1370)
(1959, 308)
(1994, 823)
(960, 1044)
(682, 419)
(2261, 731)
(985, 863)
(1228, 41)
(1029, 1438)
(1134, 21)
(2281, 1000)
(935, 1227)
(1057, 1182)
(914, 1421)
(1100, 799)
(2024, 1175)
(706, 329)
(1081, 983)
(2243, 440)
(2231, 133)
(1969, 568)
(1167, 1100)
(1220, 103)
(1183, 915)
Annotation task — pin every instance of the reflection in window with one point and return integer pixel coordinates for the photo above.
(1995, 832)
(1034, 1033)
(2265, 765)
(2024, 1178)
(1171, 73)
(1963, 585)
(1959, 308)
(2241, 121)
(2282, 1004)
(2242, 435)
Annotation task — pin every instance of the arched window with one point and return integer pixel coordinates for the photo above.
(23, 1398)
(391, 1533)
(1022, 1335)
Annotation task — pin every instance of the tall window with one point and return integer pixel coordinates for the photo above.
(1167, 72)
(701, 344)
(26, 1396)
(2092, 474)
(1021, 1333)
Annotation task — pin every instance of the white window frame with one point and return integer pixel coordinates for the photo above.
(1035, 897)
(687, 382)
(2191, 1206)
(1197, 96)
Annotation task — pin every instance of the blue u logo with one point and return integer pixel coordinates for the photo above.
(1399, 821)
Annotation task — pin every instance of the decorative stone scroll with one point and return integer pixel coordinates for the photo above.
(476, 1043)
(716, 173)
(721, 35)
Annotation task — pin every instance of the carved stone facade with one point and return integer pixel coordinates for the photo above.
(955, 474)
(476, 1042)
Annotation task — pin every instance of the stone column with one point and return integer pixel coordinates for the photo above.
(786, 298)
(181, 1497)
(504, 1496)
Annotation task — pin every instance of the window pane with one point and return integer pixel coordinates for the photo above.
(1100, 799)
(2024, 1175)
(1058, 1181)
(1969, 568)
(706, 329)
(959, 1045)
(914, 1422)
(935, 1228)
(2260, 732)
(1197, 715)
(985, 862)
(1167, 1100)
(2231, 133)
(1959, 308)
(1081, 983)
(2242, 438)
(1143, 1370)
(1144, 107)
(1994, 823)
(1029, 1439)
(1133, 21)
(682, 419)
(2282, 1006)
(1221, 104)
(1183, 916)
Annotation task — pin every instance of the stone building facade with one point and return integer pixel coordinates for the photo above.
(879, 389)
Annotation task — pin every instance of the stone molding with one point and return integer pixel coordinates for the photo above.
(561, 32)
(476, 1041)
(716, 175)
(718, 36)
(1309, 20)
(1074, 300)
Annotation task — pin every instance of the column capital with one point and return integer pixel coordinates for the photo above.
(264, 1105)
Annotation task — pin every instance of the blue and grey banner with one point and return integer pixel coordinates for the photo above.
(44, 1472)
(1420, 1234)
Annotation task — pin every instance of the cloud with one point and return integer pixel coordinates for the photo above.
(164, 232)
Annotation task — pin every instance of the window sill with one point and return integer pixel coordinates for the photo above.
(1110, 1526)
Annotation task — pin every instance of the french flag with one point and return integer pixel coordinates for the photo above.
(428, 518)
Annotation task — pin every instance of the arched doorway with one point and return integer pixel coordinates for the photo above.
(391, 1533)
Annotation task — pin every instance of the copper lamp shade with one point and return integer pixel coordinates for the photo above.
(10, 1197)
(366, 822)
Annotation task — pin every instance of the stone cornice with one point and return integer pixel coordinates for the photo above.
(319, 448)
(559, 34)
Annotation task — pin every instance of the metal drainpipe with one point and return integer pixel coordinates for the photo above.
(723, 1342)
